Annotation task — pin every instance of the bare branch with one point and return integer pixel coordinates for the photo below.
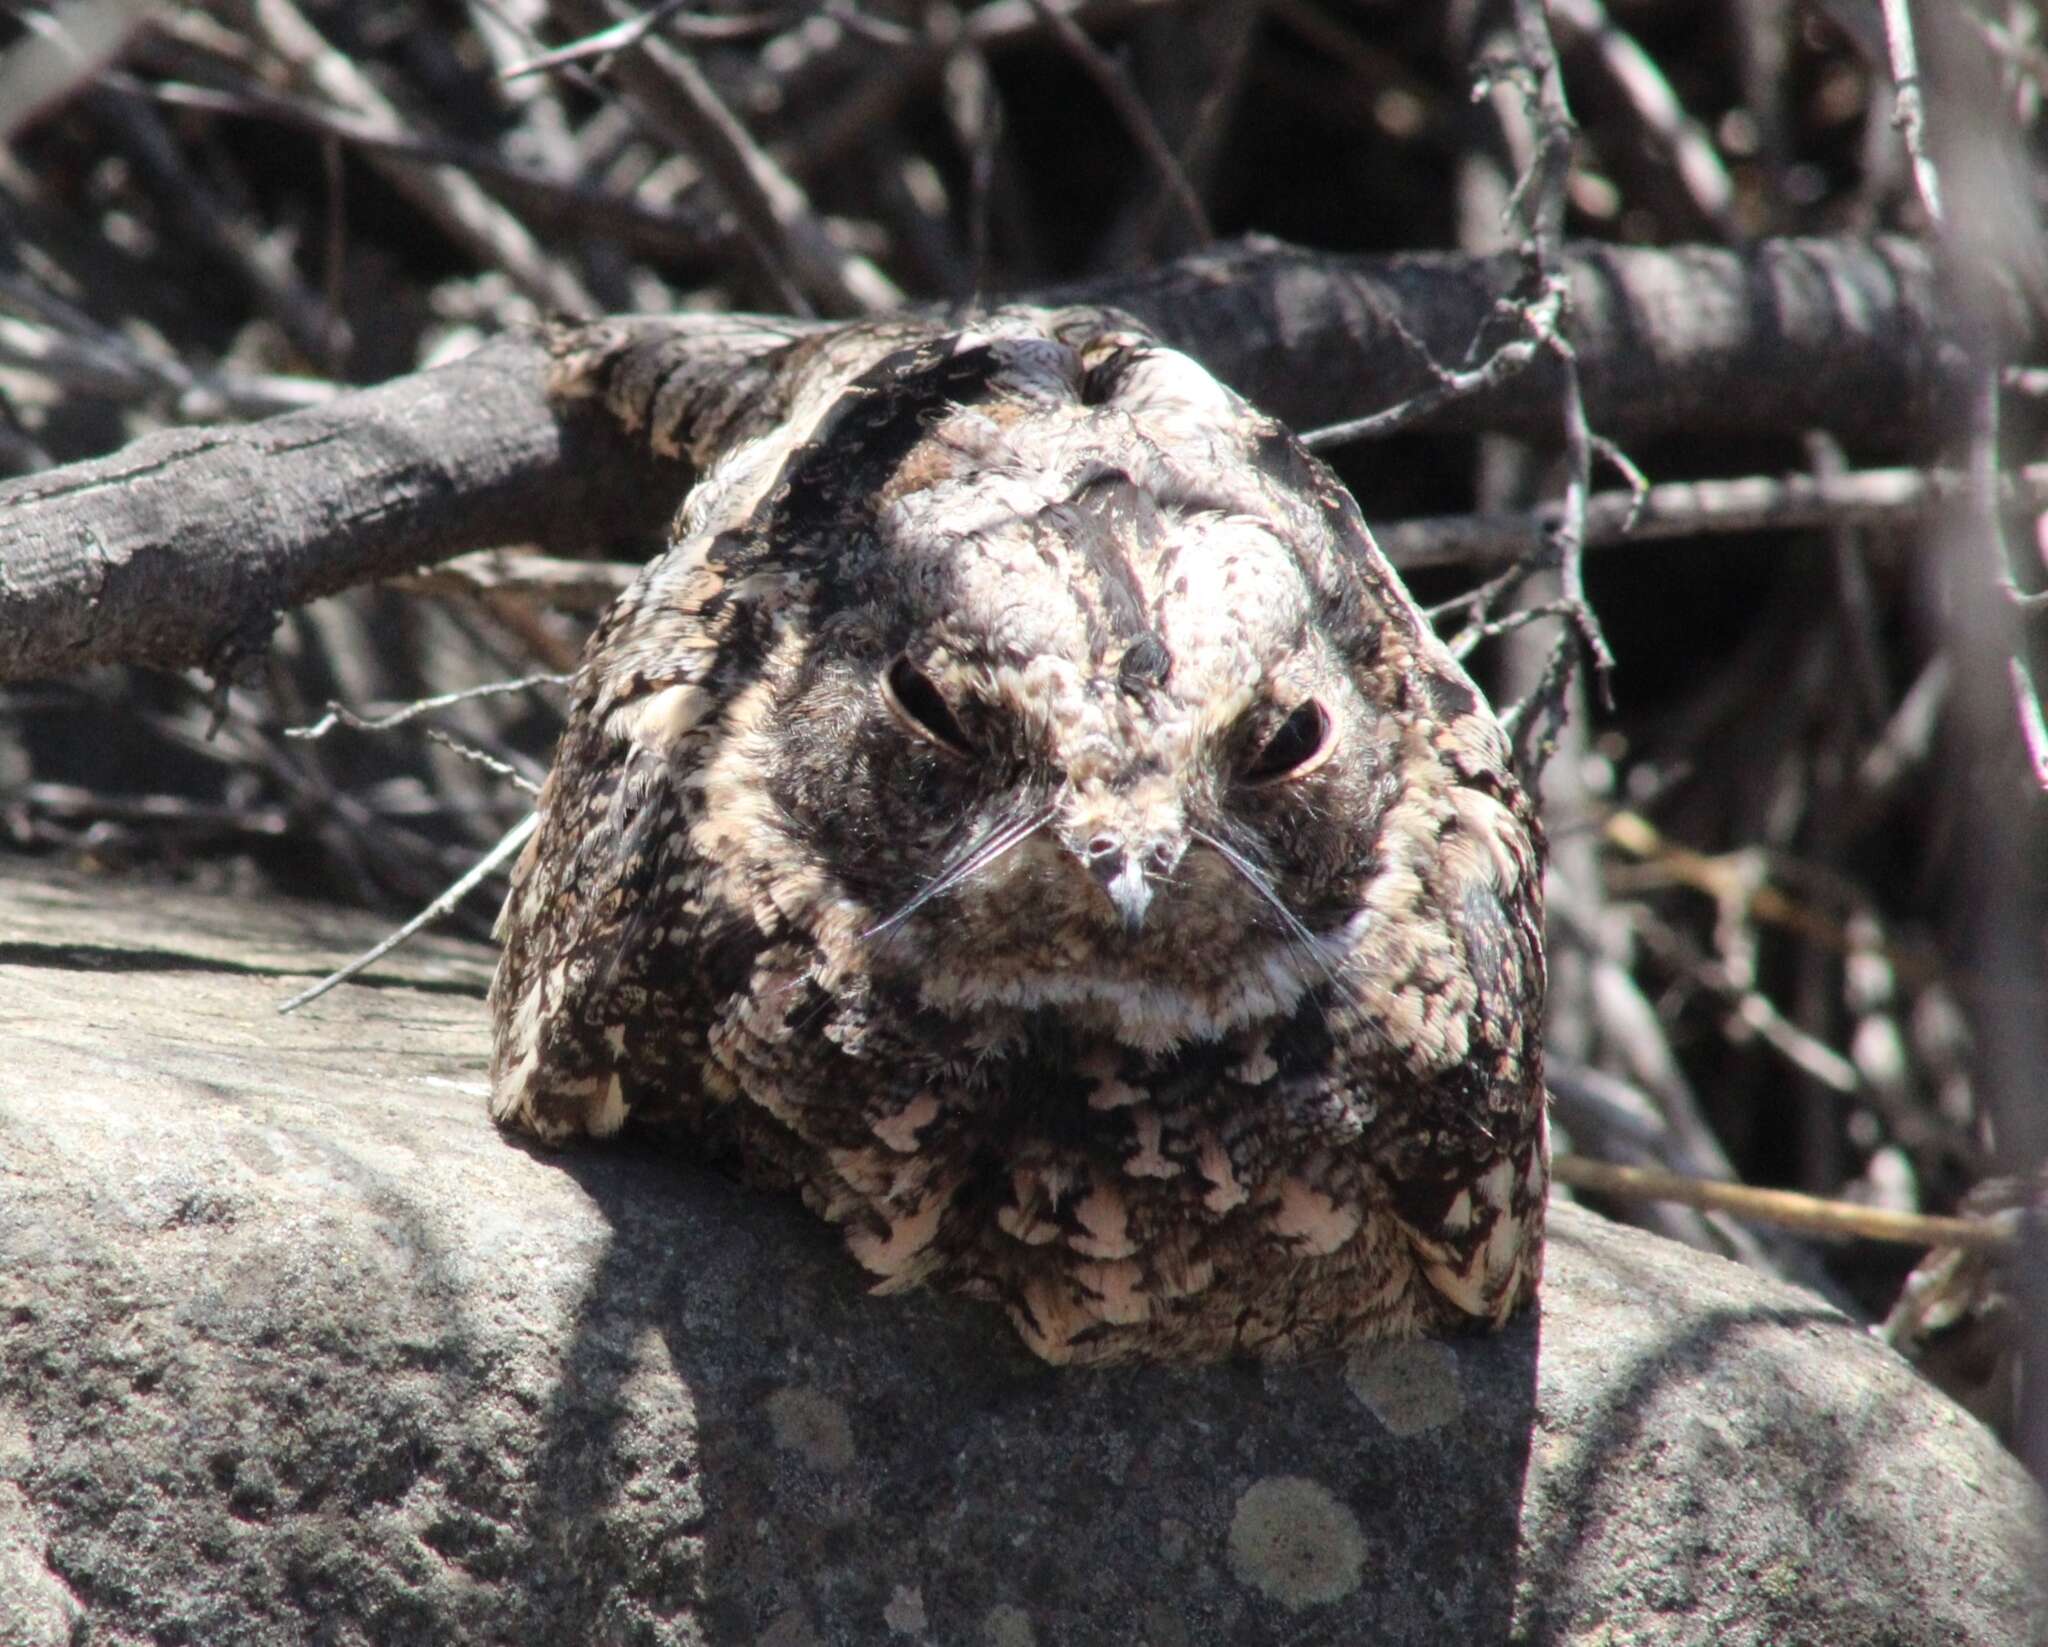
(1787, 1209)
(1910, 116)
(155, 555)
(1888, 499)
(1115, 85)
(470, 216)
(670, 90)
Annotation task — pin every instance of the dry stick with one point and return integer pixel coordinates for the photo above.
(1657, 109)
(802, 73)
(1540, 319)
(1480, 627)
(263, 265)
(116, 368)
(1884, 499)
(973, 108)
(544, 194)
(1909, 114)
(1984, 409)
(546, 132)
(340, 715)
(1545, 185)
(513, 839)
(62, 51)
(159, 554)
(2033, 724)
(1114, 84)
(471, 217)
(688, 112)
(1475, 606)
(1716, 877)
(527, 782)
(667, 16)
(1788, 1209)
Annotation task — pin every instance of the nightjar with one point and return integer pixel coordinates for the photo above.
(1024, 814)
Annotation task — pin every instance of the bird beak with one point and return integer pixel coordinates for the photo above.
(1127, 871)
(1128, 889)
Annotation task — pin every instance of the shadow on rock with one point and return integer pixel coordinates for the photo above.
(747, 1444)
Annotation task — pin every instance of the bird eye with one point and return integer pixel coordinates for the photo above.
(1298, 745)
(922, 708)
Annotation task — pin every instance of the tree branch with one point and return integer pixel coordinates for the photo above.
(182, 548)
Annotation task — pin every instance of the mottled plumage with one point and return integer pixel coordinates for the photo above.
(1025, 814)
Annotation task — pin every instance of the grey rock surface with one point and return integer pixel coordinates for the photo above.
(295, 1348)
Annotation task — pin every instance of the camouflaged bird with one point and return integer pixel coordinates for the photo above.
(1024, 813)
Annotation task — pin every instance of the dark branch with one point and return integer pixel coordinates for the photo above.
(182, 548)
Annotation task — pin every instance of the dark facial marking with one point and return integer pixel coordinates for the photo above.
(1105, 520)
(868, 433)
(1449, 698)
(1145, 664)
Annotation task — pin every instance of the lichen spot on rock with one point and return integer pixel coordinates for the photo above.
(1007, 1625)
(813, 1426)
(1292, 1539)
(905, 1613)
(791, 1628)
(1409, 1386)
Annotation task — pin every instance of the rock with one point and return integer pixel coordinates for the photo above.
(295, 1348)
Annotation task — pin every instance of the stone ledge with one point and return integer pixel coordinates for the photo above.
(293, 1347)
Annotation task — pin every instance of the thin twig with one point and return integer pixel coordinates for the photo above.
(1657, 110)
(482, 869)
(1718, 877)
(1540, 198)
(2033, 726)
(1610, 452)
(1539, 321)
(1115, 85)
(117, 368)
(1880, 499)
(471, 217)
(1532, 724)
(668, 16)
(544, 195)
(1490, 628)
(337, 715)
(673, 94)
(1786, 1208)
(1910, 114)
(1751, 1012)
(485, 759)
